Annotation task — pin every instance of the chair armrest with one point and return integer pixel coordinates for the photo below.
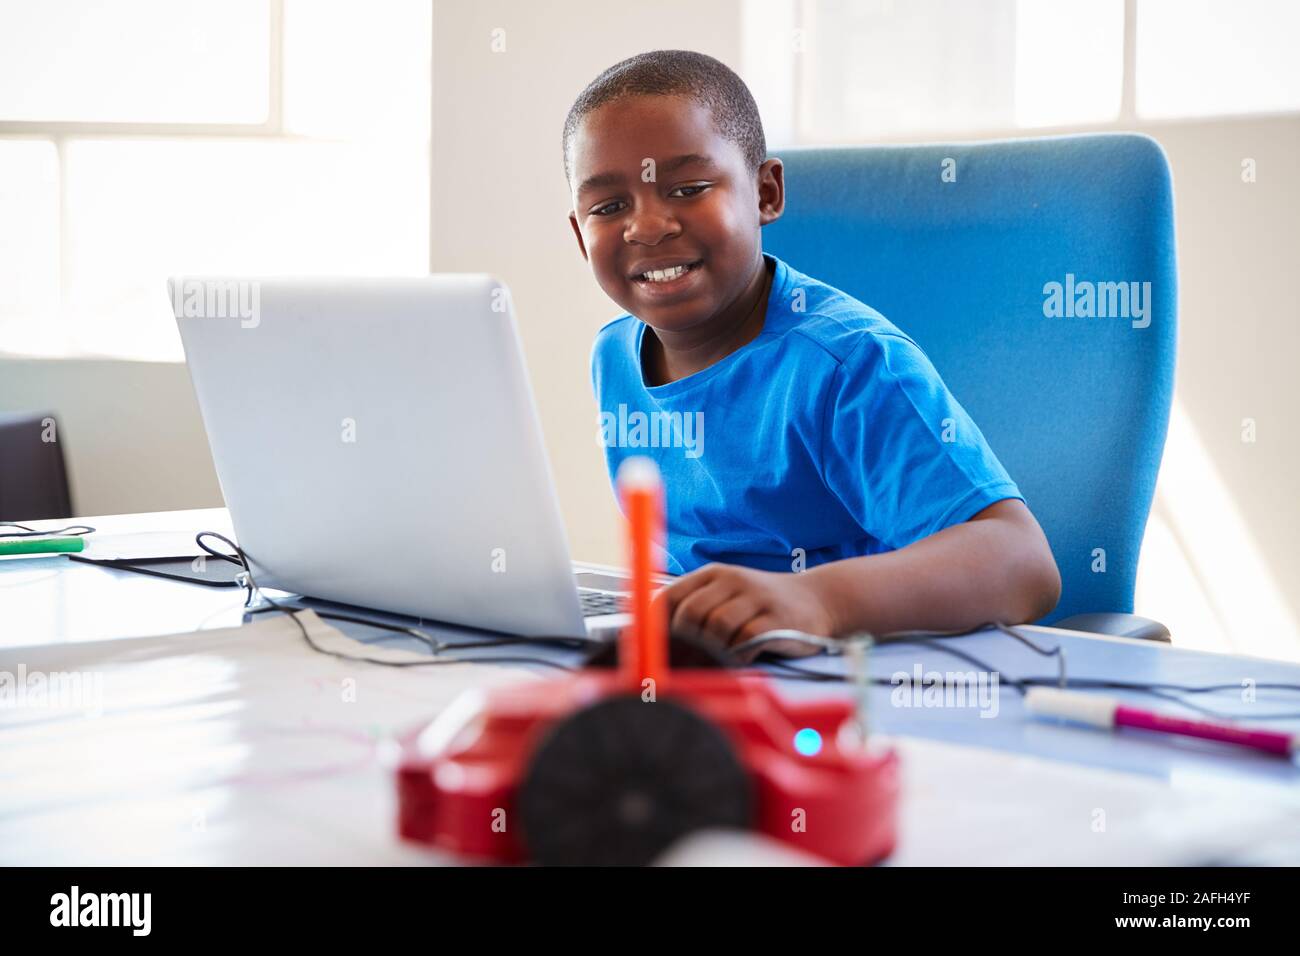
(1116, 625)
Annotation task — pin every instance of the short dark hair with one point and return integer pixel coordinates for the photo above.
(677, 73)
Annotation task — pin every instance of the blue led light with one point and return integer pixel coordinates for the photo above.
(808, 742)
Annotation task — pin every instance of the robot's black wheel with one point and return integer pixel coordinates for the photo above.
(684, 653)
(615, 784)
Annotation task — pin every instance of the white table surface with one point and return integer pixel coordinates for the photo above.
(233, 747)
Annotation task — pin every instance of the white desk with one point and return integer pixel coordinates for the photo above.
(218, 749)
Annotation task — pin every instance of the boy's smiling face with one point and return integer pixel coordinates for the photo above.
(702, 211)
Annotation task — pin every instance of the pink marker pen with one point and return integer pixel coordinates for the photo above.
(1108, 712)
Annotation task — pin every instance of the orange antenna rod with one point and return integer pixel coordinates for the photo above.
(643, 647)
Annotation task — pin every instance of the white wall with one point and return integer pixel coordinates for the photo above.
(1228, 505)
(1239, 318)
(130, 431)
(500, 201)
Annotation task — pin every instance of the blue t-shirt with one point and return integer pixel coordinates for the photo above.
(828, 436)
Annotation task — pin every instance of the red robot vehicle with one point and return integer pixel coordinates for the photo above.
(612, 766)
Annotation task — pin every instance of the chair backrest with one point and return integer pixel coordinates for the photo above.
(959, 245)
(33, 477)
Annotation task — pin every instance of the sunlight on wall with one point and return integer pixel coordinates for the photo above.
(1201, 573)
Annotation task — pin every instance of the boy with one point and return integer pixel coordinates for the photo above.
(833, 447)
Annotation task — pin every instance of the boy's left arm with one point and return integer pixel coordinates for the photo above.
(995, 567)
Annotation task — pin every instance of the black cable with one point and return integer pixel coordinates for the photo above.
(237, 558)
(935, 640)
(240, 557)
(569, 643)
(1210, 712)
(972, 660)
(29, 532)
(1024, 683)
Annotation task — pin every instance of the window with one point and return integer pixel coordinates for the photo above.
(161, 61)
(1069, 61)
(1213, 57)
(846, 71)
(209, 137)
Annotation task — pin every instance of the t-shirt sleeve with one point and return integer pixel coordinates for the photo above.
(595, 367)
(898, 449)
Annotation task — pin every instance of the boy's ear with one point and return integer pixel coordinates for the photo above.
(577, 234)
(771, 191)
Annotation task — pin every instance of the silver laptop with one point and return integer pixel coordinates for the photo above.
(377, 445)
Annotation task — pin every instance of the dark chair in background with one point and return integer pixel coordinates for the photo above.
(33, 477)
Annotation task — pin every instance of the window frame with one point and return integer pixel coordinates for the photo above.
(792, 129)
(60, 133)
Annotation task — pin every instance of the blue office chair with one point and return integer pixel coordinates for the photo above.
(955, 245)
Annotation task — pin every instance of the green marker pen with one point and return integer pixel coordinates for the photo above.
(42, 545)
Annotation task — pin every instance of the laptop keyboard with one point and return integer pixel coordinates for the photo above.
(596, 603)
